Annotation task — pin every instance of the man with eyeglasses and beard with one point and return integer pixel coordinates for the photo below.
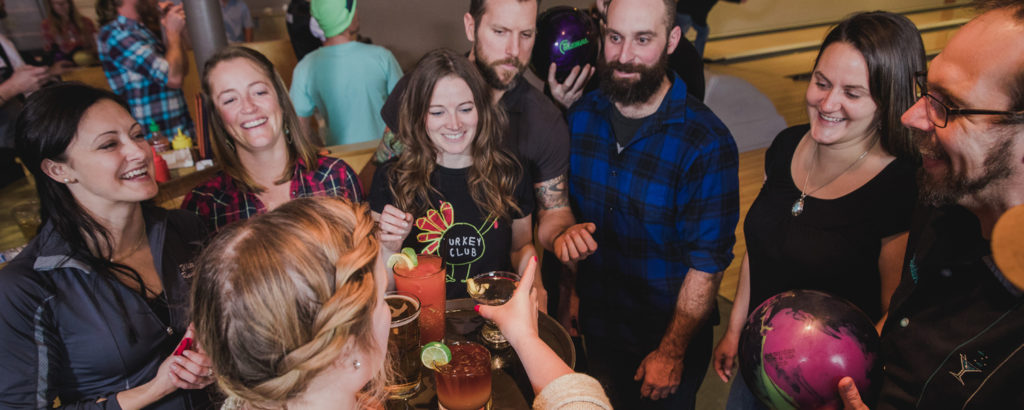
(954, 337)
(503, 33)
(142, 50)
(656, 171)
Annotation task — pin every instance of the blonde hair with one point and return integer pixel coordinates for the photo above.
(278, 299)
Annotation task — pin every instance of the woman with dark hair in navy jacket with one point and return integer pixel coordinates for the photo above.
(95, 305)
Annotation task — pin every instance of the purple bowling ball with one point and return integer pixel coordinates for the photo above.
(566, 36)
(797, 345)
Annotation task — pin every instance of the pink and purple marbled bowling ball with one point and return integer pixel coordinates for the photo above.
(798, 344)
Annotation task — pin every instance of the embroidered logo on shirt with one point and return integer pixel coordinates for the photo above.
(187, 270)
(458, 243)
(969, 366)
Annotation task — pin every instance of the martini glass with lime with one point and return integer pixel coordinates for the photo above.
(492, 288)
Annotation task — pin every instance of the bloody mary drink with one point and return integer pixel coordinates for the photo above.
(464, 383)
(426, 281)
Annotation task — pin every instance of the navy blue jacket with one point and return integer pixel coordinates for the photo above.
(62, 330)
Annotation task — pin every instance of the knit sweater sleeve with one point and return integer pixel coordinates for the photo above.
(571, 392)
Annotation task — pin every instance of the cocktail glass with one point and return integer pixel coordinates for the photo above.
(426, 281)
(404, 343)
(492, 288)
(465, 382)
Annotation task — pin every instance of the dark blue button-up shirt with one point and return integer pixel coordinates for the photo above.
(666, 203)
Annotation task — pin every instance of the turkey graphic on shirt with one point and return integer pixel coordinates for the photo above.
(458, 243)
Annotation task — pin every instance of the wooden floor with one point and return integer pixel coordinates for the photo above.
(772, 75)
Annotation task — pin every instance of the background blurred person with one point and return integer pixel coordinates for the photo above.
(142, 51)
(66, 31)
(16, 80)
(454, 173)
(835, 206)
(300, 24)
(95, 304)
(237, 21)
(266, 157)
(345, 81)
(291, 305)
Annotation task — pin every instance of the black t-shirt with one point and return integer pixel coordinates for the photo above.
(625, 128)
(454, 228)
(537, 133)
(834, 245)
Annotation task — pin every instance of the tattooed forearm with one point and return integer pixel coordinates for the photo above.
(552, 193)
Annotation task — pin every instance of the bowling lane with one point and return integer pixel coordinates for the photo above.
(729, 46)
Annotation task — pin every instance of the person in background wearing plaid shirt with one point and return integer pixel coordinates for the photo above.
(656, 171)
(144, 69)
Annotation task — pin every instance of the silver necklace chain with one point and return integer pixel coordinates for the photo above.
(798, 206)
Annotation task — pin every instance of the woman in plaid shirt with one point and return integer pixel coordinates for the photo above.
(265, 157)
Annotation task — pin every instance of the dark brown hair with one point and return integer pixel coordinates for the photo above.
(477, 8)
(494, 173)
(302, 146)
(892, 49)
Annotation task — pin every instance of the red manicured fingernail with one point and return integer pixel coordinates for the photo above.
(534, 257)
(477, 308)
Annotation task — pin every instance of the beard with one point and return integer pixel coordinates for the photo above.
(627, 91)
(491, 75)
(950, 187)
(149, 15)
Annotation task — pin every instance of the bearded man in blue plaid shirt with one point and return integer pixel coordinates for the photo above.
(656, 171)
(143, 68)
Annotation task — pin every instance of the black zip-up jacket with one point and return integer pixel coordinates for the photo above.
(64, 334)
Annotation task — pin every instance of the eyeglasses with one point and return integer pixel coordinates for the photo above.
(939, 113)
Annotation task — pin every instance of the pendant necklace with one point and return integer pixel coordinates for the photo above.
(798, 206)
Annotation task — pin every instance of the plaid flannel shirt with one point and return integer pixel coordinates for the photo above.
(220, 201)
(133, 60)
(668, 202)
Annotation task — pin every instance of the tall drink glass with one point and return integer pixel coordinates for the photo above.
(465, 382)
(404, 343)
(426, 281)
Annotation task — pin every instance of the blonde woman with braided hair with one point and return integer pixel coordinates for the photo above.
(290, 307)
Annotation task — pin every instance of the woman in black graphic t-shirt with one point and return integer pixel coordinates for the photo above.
(454, 192)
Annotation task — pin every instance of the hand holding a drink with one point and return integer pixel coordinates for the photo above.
(517, 318)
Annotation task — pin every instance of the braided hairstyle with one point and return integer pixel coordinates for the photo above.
(280, 298)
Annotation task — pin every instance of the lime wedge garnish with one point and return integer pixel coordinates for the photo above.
(400, 257)
(435, 354)
(475, 288)
(412, 256)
